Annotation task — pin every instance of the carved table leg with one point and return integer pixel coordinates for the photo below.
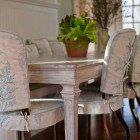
(70, 95)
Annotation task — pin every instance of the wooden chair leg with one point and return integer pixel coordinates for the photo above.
(27, 135)
(138, 100)
(107, 125)
(54, 131)
(120, 117)
(134, 112)
(19, 135)
(89, 120)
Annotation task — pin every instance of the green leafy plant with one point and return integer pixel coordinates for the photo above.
(73, 28)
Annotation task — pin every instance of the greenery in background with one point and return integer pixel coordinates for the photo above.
(105, 11)
(72, 28)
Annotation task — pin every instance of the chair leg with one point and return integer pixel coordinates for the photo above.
(120, 117)
(89, 120)
(19, 135)
(138, 100)
(107, 125)
(27, 135)
(134, 112)
(54, 131)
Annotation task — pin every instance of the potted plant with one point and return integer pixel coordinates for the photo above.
(77, 33)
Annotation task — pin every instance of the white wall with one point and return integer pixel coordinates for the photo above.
(66, 8)
(29, 21)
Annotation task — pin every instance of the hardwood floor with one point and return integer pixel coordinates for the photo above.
(96, 132)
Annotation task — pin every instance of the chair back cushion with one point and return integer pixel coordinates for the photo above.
(42, 46)
(14, 85)
(116, 61)
(58, 48)
(32, 51)
(134, 70)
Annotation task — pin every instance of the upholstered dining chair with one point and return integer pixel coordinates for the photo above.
(135, 73)
(133, 83)
(17, 111)
(116, 60)
(110, 96)
(131, 86)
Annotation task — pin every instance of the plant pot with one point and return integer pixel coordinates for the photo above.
(103, 38)
(77, 48)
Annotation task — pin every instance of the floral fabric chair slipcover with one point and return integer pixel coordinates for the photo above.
(132, 85)
(115, 67)
(116, 62)
(15, 94)
(134, 71)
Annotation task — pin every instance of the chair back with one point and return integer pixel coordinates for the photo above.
(134, 70)
(14, 85)
(116, 61)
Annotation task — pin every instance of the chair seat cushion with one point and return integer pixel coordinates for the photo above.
(91, 102)
(43, 113)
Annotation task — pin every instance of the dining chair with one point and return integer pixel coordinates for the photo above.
(17, 111)
(110, 96)
(114, 73)
(133, 83)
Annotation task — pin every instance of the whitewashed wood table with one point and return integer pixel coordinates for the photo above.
(68, 72)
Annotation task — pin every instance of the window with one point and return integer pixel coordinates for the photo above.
(131, 14)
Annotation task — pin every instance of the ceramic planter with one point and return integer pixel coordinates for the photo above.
(77, 48)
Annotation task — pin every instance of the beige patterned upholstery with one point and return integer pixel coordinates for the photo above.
(135, 66)
(13, 74)
(15, 94)
(116, 62)
(135, 61)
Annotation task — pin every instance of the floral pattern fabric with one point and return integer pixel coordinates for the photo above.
(134, 71)
(15, 94)
(116, 63)
(13, 74)
(135, 59)
(43, 113)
